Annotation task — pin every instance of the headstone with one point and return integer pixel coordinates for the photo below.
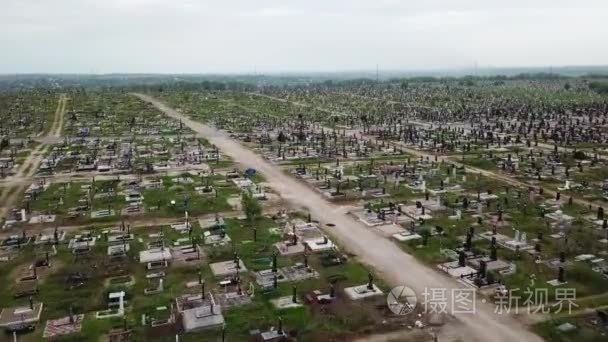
(461, 259)
(561, 276)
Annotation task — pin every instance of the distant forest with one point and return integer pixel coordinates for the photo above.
(596, 78)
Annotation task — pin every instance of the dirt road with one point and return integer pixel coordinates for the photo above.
(22, 178)
(393, 264)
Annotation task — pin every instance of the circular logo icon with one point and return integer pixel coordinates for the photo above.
(401, 300)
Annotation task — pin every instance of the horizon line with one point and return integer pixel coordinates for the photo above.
(551, 68)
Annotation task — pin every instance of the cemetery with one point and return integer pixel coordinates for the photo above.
(120, 222)
(128, 279)
(432, 194)
(26, 114)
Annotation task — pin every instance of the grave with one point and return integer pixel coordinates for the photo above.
(406, 236)
(320, 244)
(157, 289)
(79, 241)
(520, 242)
(42, 219)
(235, 298)
(182, 227)
(114, 298)
(234, 201)
(560, 280)
(102, 213)
(220, 239)
(21, 318)
(187, 253)
(206, 191)
(160, 317)
(390, 229)
(417, 213)
(119, 239)
(491, 265)
(213, 223)
(484, 197)
(50, 236)
(25, 288)
(298, 272)
(432, 204)
(155, 255)
(322, 298)
(304, 230)
(227, 268)
(118, 250)
(272, 335)
(455, 270)
(287, 302)
(126, 280)
(155, 265)
(198, 313)
(267, 278)
(363, 291)
(63, 326)
(560, 217)
(368, 217)
(289, 248)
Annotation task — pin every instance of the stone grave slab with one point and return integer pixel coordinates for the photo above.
(231, 299)
(319, 244)
(456, 271)
(13, 318)
(265, 278)
(285, 303)
(362, 292)
(406, 236)
(286, 248)
(226, 268)
(298, 272)
(63, 326)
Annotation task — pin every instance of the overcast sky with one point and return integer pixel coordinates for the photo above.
(190, 36)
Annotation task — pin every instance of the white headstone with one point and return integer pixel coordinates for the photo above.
(121, 302)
